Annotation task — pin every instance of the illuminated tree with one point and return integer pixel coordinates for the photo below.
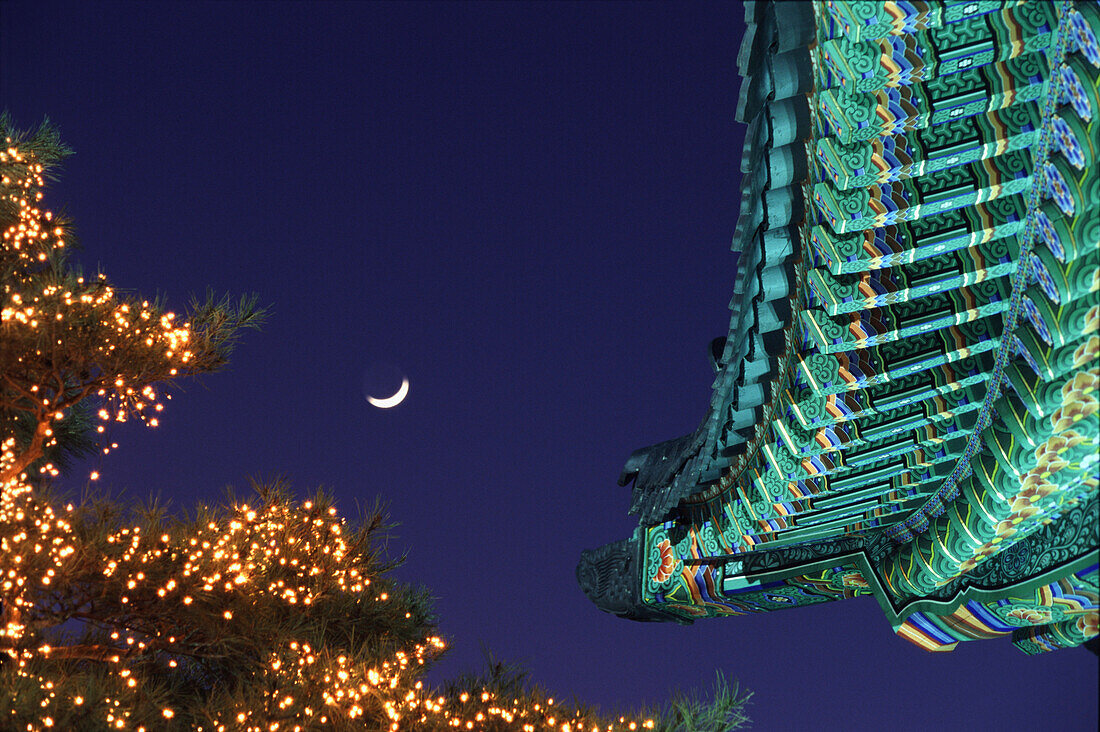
(68, 340)
(266, 614)
(269, 615)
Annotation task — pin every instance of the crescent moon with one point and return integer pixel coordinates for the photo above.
(394, 400)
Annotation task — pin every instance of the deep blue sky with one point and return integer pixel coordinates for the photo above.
(526, 207)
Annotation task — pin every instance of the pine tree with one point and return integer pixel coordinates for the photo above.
(267, 613)
(70, 341)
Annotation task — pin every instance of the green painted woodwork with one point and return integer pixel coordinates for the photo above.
(907, 402)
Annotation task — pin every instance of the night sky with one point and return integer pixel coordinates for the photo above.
(525, 208)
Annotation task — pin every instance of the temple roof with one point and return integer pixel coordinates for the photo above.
(913, 313)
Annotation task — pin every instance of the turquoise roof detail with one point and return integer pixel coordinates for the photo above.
(907, 401)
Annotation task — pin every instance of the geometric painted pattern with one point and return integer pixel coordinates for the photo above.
(906, 402)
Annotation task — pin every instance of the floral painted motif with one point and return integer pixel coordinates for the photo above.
(1007, 527)
(1034, 489)
(1089, 625)
(1049, 460)
(1087, 351)
(1048, 456)
(1078, 401)
(1058, 444)
(1029, 616)
(982, 553)
(667, 564)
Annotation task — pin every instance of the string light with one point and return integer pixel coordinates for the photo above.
(44, 313)
(149, 587)
(231, 566)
